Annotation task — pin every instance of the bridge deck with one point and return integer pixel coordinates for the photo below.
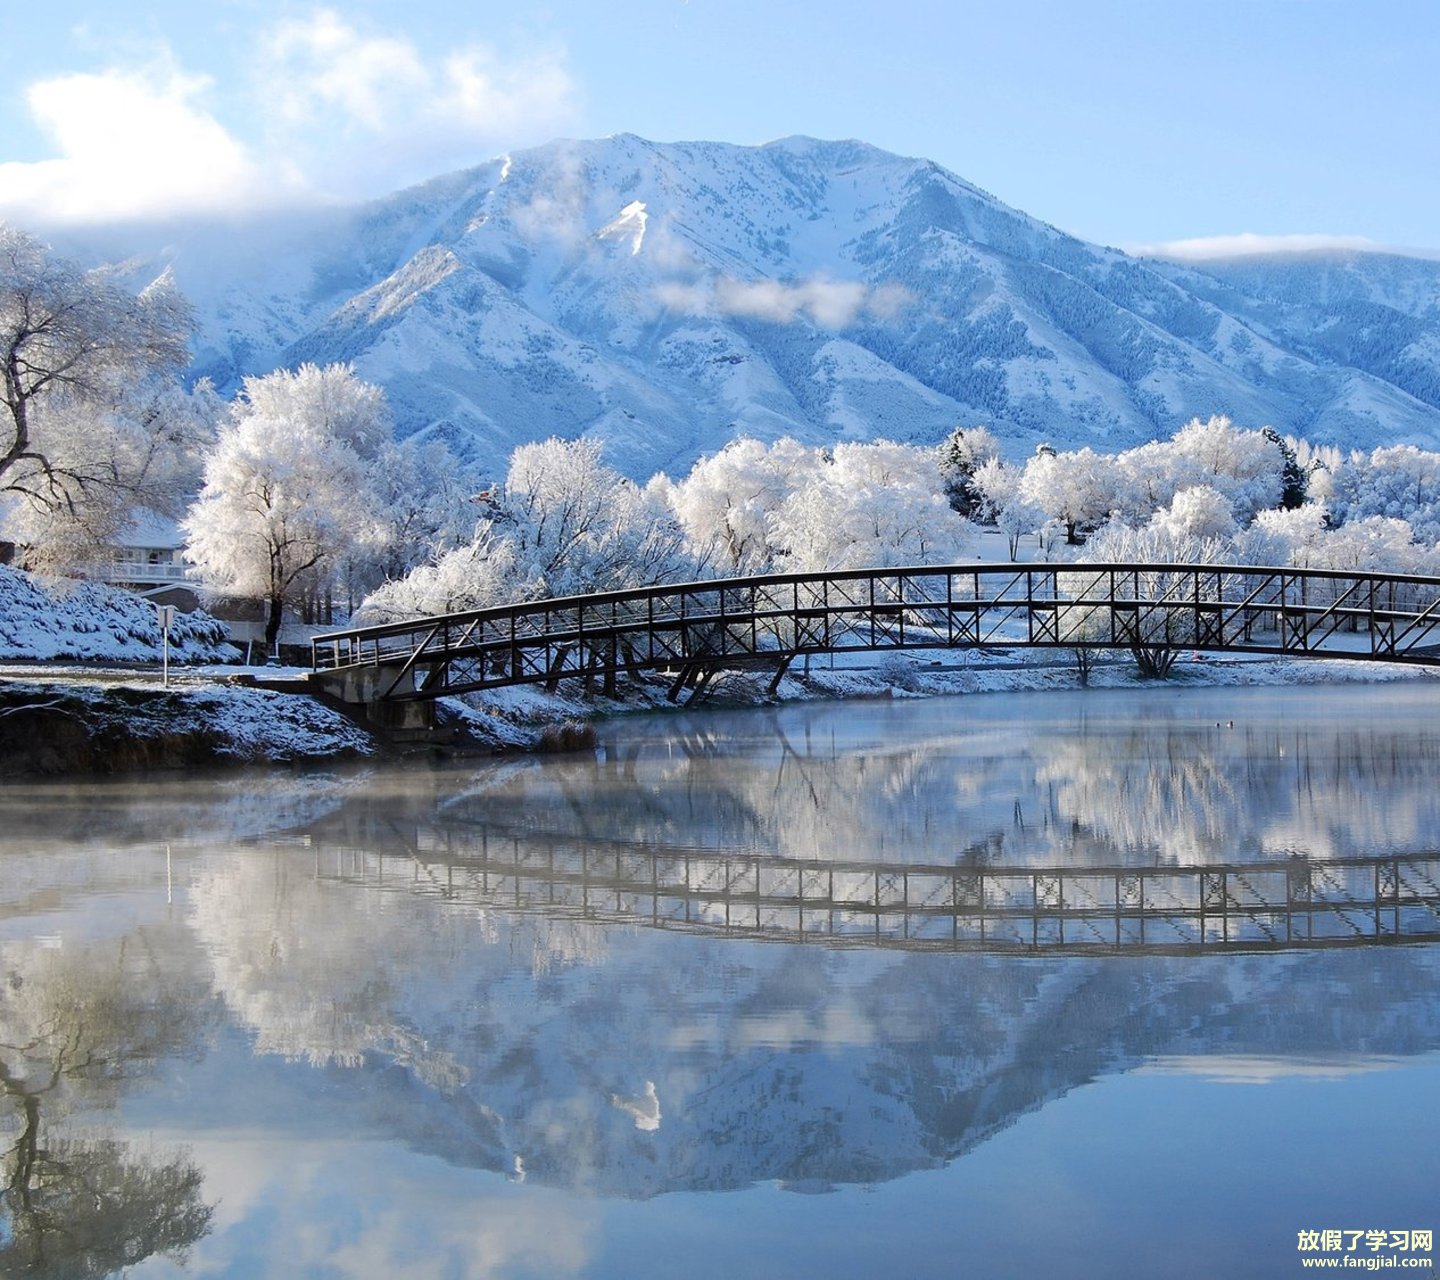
(694, 629)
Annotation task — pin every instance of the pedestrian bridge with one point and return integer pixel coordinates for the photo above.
(694, 630)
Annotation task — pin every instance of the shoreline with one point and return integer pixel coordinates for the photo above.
(70, 720)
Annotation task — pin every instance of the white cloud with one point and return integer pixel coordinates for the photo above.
(1237, 1068)
(364, 112)
(832, 304)
(334, 112)
(1248, 244)
(324, 64)
(131, 144)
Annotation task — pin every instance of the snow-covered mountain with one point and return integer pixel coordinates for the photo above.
(669, 297)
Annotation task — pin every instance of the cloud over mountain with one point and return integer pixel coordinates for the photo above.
(330, 109)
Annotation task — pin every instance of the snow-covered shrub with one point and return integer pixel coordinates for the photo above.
(43, 618)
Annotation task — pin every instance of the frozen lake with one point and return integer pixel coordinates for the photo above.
(714, 1002)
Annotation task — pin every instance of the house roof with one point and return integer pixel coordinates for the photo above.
(150, 529)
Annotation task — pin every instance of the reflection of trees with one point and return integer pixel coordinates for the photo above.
(74, 1028)
(316, 984)
(1192, 793)
(634, 1063)
(1139, 783)
(797, 795)
(88, 1206)
(651, 1062)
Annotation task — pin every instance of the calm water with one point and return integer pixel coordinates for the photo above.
(705, 1005)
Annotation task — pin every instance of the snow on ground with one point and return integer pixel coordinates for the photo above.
(46, 624)
(105, 724)
(919, 674)
(259, 724)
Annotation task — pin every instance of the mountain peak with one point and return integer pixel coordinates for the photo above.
(668, 297)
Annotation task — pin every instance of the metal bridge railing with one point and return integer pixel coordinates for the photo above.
(696, 628)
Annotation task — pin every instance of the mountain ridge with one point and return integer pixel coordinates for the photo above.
(669, 297)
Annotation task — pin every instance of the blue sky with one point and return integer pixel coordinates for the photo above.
(1125, 122)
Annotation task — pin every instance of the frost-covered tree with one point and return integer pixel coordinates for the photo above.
(1159, 542)
(1154, 473)
(1254, 470)
(155, 451)
(963, 452)
(1281, 537)
(476, 575)
(1247, 466)
(287, 499)
(1158, 632)
(86, 368)
(1080, 488)
(727, 503)
(1017, 518)
(874, 504)
(429, 501)
(1294, 482)
(1198, 512)
(1375, 544)
(1399, 481)
(996, 485)
(562, 523)
(1320, 463)
(580, 526)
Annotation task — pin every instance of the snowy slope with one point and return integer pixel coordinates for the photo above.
(668, 297)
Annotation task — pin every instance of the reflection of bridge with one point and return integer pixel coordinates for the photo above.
(697, 629)
(1293, 903)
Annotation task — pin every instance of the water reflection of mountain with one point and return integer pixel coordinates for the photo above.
(631, 1063)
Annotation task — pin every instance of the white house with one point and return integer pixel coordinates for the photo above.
(148, 558)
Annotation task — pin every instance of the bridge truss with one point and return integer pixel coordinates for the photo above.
(697, 629)
(1293, 903)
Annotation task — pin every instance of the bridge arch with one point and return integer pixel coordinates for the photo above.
(693, 630)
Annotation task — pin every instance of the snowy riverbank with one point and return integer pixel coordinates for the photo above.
(109, 713)
(61, 719)
(73, 724)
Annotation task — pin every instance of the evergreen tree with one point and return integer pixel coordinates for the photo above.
(1293, 480)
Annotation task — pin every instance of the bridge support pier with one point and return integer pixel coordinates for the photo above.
(401, 718)
(373, 688)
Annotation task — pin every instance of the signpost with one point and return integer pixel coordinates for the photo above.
(167, 620)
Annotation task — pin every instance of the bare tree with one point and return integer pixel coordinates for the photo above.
(80, 354)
